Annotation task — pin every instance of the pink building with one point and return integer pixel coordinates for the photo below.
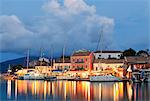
(82, 60)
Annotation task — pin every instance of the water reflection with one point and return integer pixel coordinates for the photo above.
(73, 90)
(9, 88)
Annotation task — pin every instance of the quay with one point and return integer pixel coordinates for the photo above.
(84, 65)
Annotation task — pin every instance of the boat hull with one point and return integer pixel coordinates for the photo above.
(104, 79)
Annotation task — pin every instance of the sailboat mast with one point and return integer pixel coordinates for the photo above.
(51, 57)
(64, 54)
(101, 38)
(100, 44)
(28, 59)
(41, 52)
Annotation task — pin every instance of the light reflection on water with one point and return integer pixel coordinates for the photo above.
(73, 90)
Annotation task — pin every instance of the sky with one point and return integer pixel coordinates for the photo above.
(50, 25)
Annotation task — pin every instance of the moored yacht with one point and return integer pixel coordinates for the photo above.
(104, 78)
(32, 76)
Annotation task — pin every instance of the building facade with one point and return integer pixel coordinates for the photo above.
(59, 64)
(82, 60)
(107, 54)
(43, 69)
(100, 64)
(138, 62)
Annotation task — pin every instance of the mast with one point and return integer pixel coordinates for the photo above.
(9, 69)
(63, 57)
(64, 49)
(51, 55)
(41, 55)
(28, 59)
(64, 54)
(41, 52)
(51, 61)
(100, 44)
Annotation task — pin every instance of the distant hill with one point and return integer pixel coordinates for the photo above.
(4, 65)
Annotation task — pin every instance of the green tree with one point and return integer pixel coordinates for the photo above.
(142, 53)
(16, 68)
(129, 52)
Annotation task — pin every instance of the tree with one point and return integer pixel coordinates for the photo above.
(129, 52)
(142, 53)
(16, 68)
(65, 57)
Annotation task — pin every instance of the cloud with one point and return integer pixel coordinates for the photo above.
(14, 36)
(72, 22)
(70, 7)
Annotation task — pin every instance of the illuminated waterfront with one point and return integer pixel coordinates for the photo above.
(73, 90)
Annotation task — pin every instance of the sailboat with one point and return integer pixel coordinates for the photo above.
(50, 77)
(103, 77)
(31, 74)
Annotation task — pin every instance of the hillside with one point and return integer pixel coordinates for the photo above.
(4, 65)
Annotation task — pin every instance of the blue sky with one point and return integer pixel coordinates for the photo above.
(39, 24)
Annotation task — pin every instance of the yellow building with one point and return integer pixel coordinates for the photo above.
(43, 69)
(100, 64)
(59, 64)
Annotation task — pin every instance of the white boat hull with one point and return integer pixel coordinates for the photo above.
(104, 78)
(33, 78)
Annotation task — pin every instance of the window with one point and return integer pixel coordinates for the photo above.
(86, 66)
(96, 68)
(109, 56)
(73, 60)
(81, 60)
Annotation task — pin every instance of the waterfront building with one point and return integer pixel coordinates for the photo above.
(107, 54)
(100, 64)
(138, 62)
(59, 64)
(43, 69)
(82, 60)
(43, 65)
(135, 65)
(110, 66)
(44, 61)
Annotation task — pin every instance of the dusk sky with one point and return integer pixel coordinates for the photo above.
(51, 24)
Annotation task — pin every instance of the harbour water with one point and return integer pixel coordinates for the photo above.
(31, 90)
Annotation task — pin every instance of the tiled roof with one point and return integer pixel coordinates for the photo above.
(137, 59)
(81, 54)
(109, 61)
(66, 60)
(108, 51)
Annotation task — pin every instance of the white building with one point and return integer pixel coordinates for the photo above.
(107, 54)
